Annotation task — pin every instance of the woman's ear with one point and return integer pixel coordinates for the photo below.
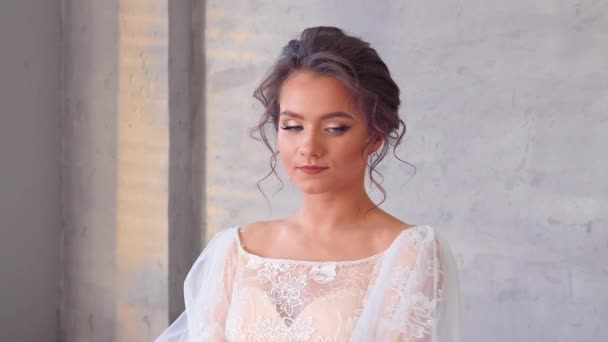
(379, 139)
(377, 142)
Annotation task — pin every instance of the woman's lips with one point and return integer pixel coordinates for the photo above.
(311, 169)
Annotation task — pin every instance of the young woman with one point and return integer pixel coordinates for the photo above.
(339, 268)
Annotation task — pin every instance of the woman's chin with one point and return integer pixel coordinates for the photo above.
(316, 187)
(313, 189)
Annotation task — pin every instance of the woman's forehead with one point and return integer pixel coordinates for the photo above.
(313, 95)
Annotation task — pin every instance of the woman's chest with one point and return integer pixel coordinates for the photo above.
(274, 301)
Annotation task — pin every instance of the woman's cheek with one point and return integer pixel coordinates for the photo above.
(352, 154)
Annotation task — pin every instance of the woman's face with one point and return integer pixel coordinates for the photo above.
(320, 125)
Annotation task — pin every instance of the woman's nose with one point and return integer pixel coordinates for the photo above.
(311, 144)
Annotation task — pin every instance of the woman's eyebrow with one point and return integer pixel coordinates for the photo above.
(323, 117)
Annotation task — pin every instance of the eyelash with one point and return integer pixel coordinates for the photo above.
(336, 129)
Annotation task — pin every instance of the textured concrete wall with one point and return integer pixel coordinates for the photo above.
(90, 144)
(186, 145)
(117, 169)
(30, 220)
(506, 108)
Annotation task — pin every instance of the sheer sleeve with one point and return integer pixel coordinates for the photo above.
(415, 297)
(449, 313)
(207, 290)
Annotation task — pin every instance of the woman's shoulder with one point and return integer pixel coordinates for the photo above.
(258, 235)
(432, 233)
(417, 238)
(258, 227)
(431, 239)
(248, 232)
(427, 229)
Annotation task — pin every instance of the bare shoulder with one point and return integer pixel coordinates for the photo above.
(257, 227)
(259, 234)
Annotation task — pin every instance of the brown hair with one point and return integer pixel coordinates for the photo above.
(329, 51)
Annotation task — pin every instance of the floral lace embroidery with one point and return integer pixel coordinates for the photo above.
(232, 295)
(313, 301)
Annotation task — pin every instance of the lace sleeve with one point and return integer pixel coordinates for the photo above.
(207, 291)
(412, 296)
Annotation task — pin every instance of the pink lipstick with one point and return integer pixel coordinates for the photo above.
(311, 169)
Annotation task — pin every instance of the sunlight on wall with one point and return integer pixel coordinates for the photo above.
(142, 169)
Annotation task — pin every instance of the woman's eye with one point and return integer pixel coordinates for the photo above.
(335, 129)
(338, 129)
(291, 127)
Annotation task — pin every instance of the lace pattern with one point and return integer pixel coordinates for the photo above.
(396, 295)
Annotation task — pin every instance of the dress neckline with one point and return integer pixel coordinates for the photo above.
(323, 262)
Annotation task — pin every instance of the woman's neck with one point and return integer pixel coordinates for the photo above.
(330, 213)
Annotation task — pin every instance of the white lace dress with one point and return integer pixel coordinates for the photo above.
(409, 292)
